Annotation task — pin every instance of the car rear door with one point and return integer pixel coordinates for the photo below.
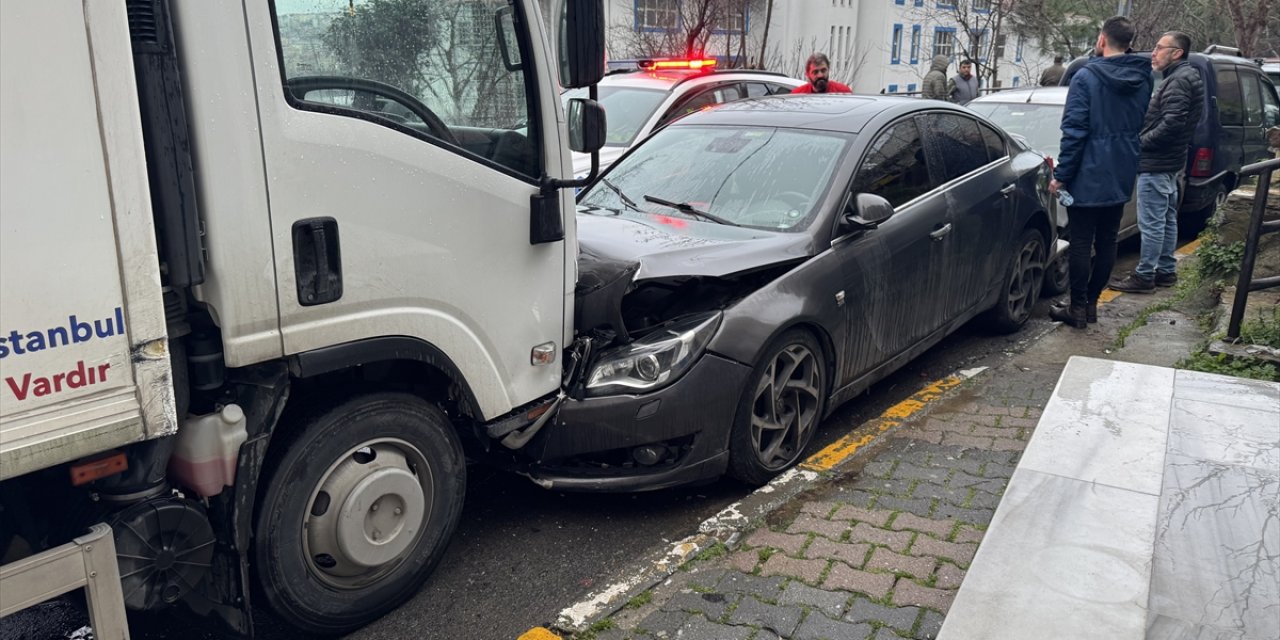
(977, 183)
(1257, 95)
(894, 274)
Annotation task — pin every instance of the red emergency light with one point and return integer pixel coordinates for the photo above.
(695, 64)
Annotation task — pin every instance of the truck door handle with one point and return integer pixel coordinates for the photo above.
(1009, 188)
(940, 232)
(317, 261)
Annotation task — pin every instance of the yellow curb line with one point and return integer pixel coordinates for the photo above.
(538, 633)
(841, 449)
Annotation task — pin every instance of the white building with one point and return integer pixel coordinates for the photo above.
(874, 45)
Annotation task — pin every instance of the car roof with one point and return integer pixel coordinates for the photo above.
(666, 79)
(844, 113)
(1030, 95)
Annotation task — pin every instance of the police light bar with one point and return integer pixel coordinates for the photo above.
(697, 64)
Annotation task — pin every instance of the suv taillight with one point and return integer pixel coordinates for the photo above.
(1202, 163)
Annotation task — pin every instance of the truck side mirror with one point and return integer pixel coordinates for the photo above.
(586, 125)
(581, 43)
(868, 211)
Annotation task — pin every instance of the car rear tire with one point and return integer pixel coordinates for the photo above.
(780, 408)
(1022, 281)
(358, 507)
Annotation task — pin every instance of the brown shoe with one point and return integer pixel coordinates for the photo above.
(1073, 315)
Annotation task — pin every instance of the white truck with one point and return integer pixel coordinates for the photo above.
(265, 266)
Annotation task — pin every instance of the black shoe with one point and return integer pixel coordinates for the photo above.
(1134, 283)
(1166, 279)
(1091, 312)
(1073, 315)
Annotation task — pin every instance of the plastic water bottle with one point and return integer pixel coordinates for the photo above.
(1065, 198)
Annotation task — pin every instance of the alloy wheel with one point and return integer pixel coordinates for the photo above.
(1026, 278)
(785, 410)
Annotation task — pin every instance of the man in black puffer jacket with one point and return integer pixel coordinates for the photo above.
(1166, 133)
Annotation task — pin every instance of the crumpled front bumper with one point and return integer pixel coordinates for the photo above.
(694, 416)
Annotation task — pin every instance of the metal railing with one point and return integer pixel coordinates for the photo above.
(1257, 227)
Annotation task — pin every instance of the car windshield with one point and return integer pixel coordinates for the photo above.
(754, 176)
(1039, 124)
(628, 108)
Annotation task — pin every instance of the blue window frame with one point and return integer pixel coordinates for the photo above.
(656, 15)
(736, 24)
(893, 88)
(911, 87)
(895, 46)
(1017, 56)
(919, 3)
(980, 39)
(899, 1)
(1017, 81)
(915, 43)
(982, 6)
(944, 41)
(947, 5)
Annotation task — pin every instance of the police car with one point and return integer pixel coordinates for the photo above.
(645, 95)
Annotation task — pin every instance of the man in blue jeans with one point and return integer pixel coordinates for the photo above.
(1098, 162)
(1166, 133)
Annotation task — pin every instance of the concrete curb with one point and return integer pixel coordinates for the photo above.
(727, 526)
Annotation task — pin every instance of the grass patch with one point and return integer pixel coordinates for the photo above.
(1263, 330)
(640, 600)
(717, 550)
(764, 553)
(1225, 365)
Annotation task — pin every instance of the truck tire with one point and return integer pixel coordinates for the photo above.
(357, 507)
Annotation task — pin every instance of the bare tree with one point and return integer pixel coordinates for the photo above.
(687, 27)
(980, 34)
(1249, 17)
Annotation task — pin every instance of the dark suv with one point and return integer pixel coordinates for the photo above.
(1240, 105)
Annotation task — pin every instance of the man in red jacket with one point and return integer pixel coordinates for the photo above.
(816, 70)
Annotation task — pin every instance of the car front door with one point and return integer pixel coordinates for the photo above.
(977, 179)
(894, 274)
(1258, 97)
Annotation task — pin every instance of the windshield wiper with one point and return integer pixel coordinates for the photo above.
(625, 200)
(685, 207)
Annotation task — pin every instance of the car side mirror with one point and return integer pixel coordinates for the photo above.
(581, 43)
(867, 211)
(587, 125)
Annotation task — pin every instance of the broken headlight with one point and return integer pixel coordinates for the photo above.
(654, 361)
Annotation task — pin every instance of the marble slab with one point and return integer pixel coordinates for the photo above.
(1239, 392)
(1216, 561)
(1063, 559)
(1226, 433)
(1107, 422)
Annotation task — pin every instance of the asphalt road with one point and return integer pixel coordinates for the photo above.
(521, 553)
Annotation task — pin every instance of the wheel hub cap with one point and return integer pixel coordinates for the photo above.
(379, 519)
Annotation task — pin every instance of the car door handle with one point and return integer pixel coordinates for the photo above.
(940, 232)
(1009, 188)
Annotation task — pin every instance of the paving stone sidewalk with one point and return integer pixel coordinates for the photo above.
(876, 555)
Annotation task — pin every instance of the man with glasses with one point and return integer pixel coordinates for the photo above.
(1166, 133)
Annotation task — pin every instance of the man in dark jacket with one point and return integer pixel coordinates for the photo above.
(1098, 161)
(1053, 75)
(934, 85)
(1166, 133)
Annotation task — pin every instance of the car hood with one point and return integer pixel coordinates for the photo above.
(582, 161)
(657, 246)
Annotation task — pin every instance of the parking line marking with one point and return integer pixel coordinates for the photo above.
(538, 633)
(846, 446)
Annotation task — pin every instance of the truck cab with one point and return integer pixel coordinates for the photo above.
(319, 244)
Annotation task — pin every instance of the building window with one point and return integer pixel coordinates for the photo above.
(979, 40)
(915, 44)
(893, 88)
(911, 88)
(948, 5)
(895, 46)
(944, 41)
(735, 20)
(1000, 42)
(982, 6)
(1017, 81)
(656, 15)
(899, 1)
(1022, 40)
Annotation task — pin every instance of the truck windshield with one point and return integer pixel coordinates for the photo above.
(628, 108)
(751, 176)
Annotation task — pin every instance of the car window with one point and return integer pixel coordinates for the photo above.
(751, 176)
(628, 110)
(704, 99)
(1252, 98)
(1230, 102)
(1039, 124)
(995, 143)
(1270, 105)
(366, 60)
(960, 143)
(894, 167)
(756, 90)
(776, 89)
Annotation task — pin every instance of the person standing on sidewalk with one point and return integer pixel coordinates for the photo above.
(964, 85)
(934, 85)
(1053, 75)
(1098, 162)
(1166, 133)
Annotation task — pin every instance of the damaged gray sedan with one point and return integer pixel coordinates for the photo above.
(749, 268)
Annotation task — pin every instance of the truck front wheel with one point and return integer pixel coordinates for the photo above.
(357, 508)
